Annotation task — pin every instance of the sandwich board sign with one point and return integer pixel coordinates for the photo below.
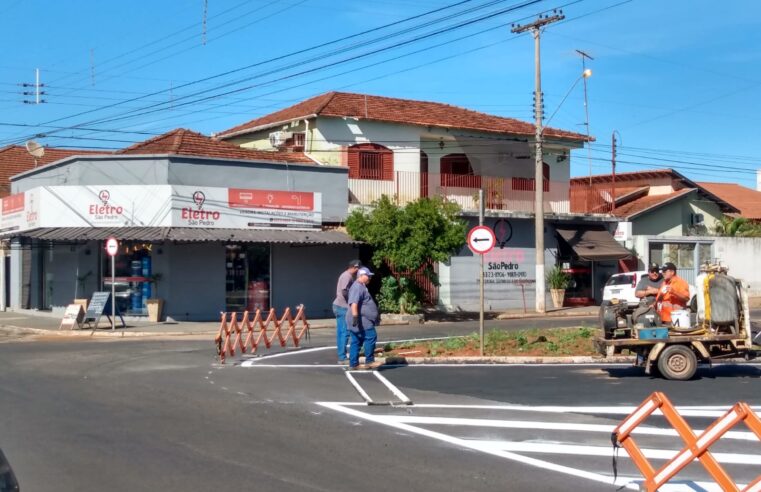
(73, 316)
(100, 305)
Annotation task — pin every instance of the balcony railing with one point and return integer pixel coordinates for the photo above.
(591, 199)
(506, 194)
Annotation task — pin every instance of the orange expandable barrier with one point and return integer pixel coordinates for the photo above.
(231, 334)
(695, 446)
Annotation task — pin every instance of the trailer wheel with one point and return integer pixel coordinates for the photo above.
(677, 362)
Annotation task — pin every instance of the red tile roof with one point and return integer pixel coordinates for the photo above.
(15, 159)
(628, 176)
(746, 200)
(186, 142)
(389, 109)
(640, 205)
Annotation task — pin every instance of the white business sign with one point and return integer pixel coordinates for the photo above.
(159, 206)
(243, 208)
(623, 231)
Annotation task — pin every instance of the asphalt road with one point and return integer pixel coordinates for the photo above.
(162, 415)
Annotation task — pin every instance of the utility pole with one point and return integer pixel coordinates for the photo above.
(37, 92)
(584, 57)
(535, 28)
(613, 166)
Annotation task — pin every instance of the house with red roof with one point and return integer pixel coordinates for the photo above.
(663, 215)
(746, 200)
(407, 149)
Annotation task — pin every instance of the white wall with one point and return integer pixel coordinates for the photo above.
(459, 278)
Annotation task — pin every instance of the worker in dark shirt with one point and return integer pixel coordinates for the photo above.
(646, 290)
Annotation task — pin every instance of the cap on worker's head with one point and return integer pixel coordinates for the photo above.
(654, 268)
(669, 266)
(365, 271)
(355, 264)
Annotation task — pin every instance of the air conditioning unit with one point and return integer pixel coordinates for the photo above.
(697, 219)
(277, 139)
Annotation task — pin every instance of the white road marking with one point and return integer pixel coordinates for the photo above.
(582, 450)
(631, 483)
(685, 411)
(358, 387)
(396, 391)
(527, 424)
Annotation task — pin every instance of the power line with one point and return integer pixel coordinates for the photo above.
(270, 60)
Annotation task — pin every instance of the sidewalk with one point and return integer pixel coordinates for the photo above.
(26, 323)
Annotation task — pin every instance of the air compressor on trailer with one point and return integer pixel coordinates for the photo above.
(715, 325)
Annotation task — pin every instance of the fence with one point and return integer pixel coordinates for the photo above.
(500, 193)
(231, 334)
(695, 446)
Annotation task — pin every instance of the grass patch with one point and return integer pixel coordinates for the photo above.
(533, 342)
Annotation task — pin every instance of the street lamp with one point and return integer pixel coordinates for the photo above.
(584, 75)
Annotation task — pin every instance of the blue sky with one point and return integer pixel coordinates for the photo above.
(678, 80)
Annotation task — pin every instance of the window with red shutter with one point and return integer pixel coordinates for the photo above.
(371, 161)
(456, 171)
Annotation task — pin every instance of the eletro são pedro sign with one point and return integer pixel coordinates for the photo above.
(159, 206)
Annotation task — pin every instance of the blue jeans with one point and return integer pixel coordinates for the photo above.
(366, 337)
(342, 335)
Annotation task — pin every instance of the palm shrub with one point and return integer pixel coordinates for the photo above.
(557, 278)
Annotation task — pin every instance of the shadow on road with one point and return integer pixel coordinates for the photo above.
(704, 372)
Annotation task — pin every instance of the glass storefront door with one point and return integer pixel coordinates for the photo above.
(248, 277)
(133, 277)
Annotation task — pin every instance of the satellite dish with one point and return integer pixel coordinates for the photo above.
(35, 149)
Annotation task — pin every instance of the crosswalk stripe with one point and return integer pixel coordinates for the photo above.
(583, 450)
(526, 424)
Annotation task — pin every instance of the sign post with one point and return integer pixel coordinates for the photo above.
(481, 240)
(112, 247)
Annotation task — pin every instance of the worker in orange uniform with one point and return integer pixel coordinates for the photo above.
(673, 294)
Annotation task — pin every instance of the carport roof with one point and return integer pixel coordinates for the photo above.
(188, 234)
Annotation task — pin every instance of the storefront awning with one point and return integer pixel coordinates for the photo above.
(593, 243)
(187, 234)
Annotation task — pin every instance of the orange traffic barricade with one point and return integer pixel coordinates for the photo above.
(257, 331)
(696, 447)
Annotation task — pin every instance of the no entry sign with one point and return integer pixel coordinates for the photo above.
(112, 246)
(481, 239)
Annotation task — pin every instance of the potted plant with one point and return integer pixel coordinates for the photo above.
(558, 282)
(155, 304)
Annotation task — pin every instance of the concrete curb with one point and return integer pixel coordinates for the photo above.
(560, 314)
(505, 360)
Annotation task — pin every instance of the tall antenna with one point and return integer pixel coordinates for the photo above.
(584, 57)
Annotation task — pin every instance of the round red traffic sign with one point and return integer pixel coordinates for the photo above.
(481, 239)
(112, 246)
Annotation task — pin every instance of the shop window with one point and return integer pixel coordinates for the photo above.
(247, 277)
(133, 272)
(456, 171)
(371, 161)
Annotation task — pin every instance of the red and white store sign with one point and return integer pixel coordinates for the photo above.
(237, 208)
(159, 206)
(280, 200)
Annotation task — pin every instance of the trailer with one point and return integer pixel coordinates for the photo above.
(675, 353)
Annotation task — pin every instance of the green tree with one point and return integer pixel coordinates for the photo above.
(737, 227)
(408, 238)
